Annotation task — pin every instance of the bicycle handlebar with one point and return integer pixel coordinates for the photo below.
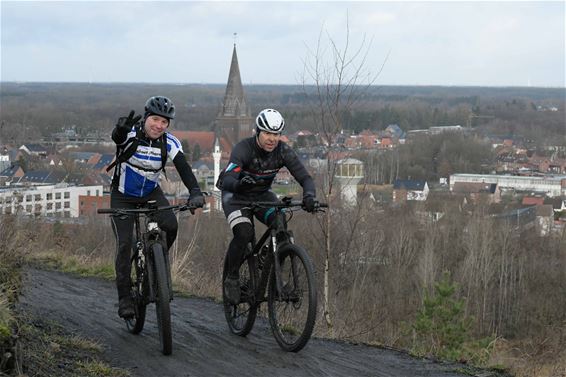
(285, 203)
(133, 211)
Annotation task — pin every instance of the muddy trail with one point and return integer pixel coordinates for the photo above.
(202, 344)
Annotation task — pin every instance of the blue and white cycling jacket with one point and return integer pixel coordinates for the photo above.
(141, 173)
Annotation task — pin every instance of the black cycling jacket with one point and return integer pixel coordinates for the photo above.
(248, 158)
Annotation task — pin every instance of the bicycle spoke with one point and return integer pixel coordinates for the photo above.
(292, 311)
(241, 317)
(135, 324)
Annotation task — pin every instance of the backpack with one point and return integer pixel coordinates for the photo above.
(123, 153)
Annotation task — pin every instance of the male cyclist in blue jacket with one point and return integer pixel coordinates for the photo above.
(253, 164)
(143, 148)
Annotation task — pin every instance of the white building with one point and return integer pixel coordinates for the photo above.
(551, 186)
(53, 200)
(349, 172)
(4, 162)
(441, 129)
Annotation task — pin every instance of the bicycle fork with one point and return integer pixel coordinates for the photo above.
(277, 265)
(156, 235)
(140, 266)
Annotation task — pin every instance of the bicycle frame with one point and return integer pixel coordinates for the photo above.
(279, 226)
(269, 239)
(277, 271)
(152, 269)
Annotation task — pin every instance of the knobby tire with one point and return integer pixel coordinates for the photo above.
(241, 317)
(139, 293)
(292, 314)
(162, 299)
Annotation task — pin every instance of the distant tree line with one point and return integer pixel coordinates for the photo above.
(428, 157)
(29, 111)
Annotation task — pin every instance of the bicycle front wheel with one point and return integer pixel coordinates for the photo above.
(241, 317)
(292, 312)
(162, 299)
(139, 292)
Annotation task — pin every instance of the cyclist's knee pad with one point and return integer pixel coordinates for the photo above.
(243, 233)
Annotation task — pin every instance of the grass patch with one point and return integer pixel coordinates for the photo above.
(6, 320)
(73, 264)
(79, 342)
(288, 329)
(50, 350)
(98, 369)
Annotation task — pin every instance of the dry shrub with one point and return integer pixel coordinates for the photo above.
(382, 264)
(17, 235)
(197, 258)
(544, 356)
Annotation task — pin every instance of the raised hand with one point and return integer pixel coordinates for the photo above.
(126, 123)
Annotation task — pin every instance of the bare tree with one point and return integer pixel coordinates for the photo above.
(335, 77)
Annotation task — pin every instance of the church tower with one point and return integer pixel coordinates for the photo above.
(234, 120)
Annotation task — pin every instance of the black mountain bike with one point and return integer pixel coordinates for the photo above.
(151, 273)
(280, 272)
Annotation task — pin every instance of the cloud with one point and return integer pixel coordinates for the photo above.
(479, 43)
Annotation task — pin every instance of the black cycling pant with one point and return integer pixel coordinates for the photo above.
(123, 227)
(240, 220)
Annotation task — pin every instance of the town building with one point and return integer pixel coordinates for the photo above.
(478, 191)
(410, 189)
(550, 186)
(349, 172)
(53, 200)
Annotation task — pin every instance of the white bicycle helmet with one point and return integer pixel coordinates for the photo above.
(270, 120)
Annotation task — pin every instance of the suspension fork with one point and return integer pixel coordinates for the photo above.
(139, 255)
(152, 237)
(279, 228)
(167, 263)
(276, 263)
(139, 242)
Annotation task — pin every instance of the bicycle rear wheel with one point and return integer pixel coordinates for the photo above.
(292, 313)
(162, 299)
(138, 290)
(241, 317)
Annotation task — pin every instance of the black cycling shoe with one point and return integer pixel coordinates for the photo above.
(126, 307)
(232, 290)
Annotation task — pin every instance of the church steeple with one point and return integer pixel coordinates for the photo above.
(235, 103)
(234, 120)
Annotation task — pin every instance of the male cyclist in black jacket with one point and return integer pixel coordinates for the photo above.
(143, 148)
(253, 164)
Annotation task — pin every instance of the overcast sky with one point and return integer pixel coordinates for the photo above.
(424, 43)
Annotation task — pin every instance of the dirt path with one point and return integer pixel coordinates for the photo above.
(202, 345)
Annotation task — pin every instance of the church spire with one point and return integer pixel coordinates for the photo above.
(235, 103)
(234, 121)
